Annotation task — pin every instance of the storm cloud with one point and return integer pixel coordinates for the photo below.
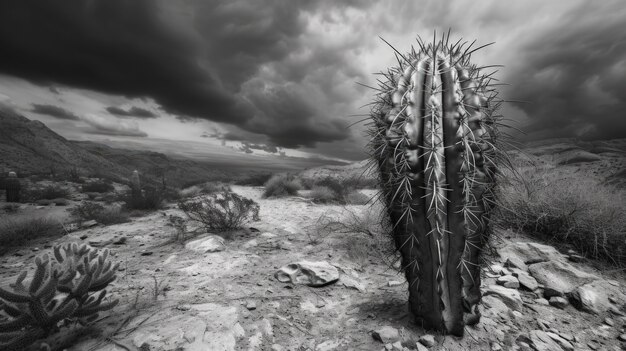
(199, 59)
(54, 111)
(134, 111)
(283, 73)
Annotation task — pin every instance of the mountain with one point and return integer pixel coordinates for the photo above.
(30, 147)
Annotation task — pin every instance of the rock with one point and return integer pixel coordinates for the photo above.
(238, 331)
(267, 235)
(542, 301)
(576, 258)
(565, 345)
(515, 262)
(88, 224)
(352, 283)
(594, 297)
(209, 243)
(420, 347)
(277, 347)
(494, 306)
(427, 340)
(250, 243)
(529, 253)
(327, 345)
(251, 306)
(510, 297)
(386, 334)
(526, 281)
(622, 337)
(508, 281)
(558, 302)
(609, 322)
(394, 283)
(559, 278)
(309, 273)
(496, 268)
(397, 346)
(495, 346)
(541, 341)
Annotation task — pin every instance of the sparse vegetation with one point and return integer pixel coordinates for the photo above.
(98, 186)
(15, 231)
(202, 189)
(150, 199)
(567, 209)
(282, 185)
(49, 192)
(333, 190)
(57, 295)
(221, 211)
(106, 215)
(254, 179)
(180, 226)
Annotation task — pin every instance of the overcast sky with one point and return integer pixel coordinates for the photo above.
(272, 75)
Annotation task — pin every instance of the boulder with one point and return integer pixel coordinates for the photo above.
(209, 243)
(518, 254)
(510, 297)
(308, 273)
(526, 281)
(558, 302)
(559, 278)
(541, 341)
(386, 334)
(596, 297)
(508, 281)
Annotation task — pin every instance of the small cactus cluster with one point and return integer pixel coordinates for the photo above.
(68, 287)
(434, 131)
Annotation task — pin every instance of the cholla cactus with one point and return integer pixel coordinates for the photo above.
(59, 291)
(12, 187)
(434, 142)
(135, 184)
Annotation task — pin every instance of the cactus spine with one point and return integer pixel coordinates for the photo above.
(433, 129)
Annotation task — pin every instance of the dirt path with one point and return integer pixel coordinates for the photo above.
(229, 300)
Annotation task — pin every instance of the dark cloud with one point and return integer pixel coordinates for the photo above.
(196, 59)
(112, 126)
(54, 111)
(132, 112)
(573, 74)
(248, 147)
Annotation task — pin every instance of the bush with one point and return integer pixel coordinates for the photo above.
(332, 190)
(282, 185)
(254, 179)
(97, 187)
(50, 192)
(577, 211)
(16, 231)
(203, 188)
(150, 199)
(221, 211)
(87, 211)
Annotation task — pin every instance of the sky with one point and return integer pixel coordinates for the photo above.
(279, 77)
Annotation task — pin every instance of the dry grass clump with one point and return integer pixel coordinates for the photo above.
(281, 185)
(14, 231)
(568, 208)
(106, 215)
(333, 190)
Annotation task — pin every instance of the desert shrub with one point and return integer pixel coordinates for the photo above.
(10, 208)
(333, 190)
(203, 188)
(150, 199)
(49, 192)
(66, 290)
(97, 187)
(221, 211)
(254, 179)
(15, 231)
(567, 209)
(282, 185)
(323, 194)
(106, 215)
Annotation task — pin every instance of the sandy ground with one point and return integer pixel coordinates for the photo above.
(176, 299)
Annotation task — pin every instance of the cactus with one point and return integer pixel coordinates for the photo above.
(62, 289)
(12, 187)
(434, 142)
(135, 184)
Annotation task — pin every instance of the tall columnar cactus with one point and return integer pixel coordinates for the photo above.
(433, 128)
(12, 187)
(135, 184)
